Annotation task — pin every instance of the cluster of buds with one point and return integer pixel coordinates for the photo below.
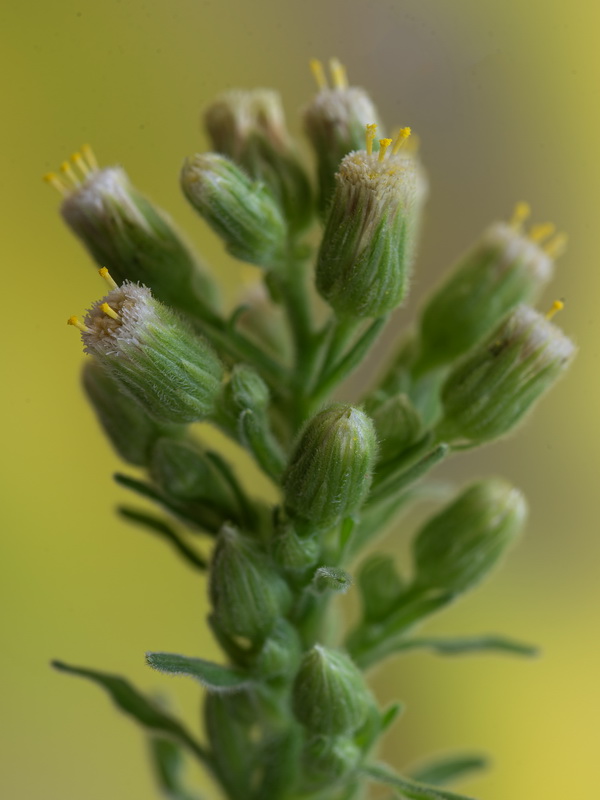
(289, 713)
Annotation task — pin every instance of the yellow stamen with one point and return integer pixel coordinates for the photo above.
(537, 233)
(78, 324)
(318, 73)
(402, 136)
(556, 246)
(110, 312)
(54, 181)
(104, 273)
(370, 137)
(520, 214)
(79, 161)
(338, 74)
(69, 173)
(90, 157)
(383, 146)
(557, 305)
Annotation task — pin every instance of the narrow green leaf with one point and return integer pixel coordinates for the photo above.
(160, 527)
(446, 769)
(381, 773)
(167, 759)
(467, 644)
(398, 483)
(390, 715)
(214, 677)
(134, 703)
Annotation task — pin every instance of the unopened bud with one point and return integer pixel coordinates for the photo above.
(504, 268)
(183, 471)
(295, 553)
(131, 431)
(456, 549)
(487, 394)
(126, 233)
(398, 425)
(248, 595)
(380, 586)
(325, 761)
(152, 354)
(335, 123)
(330, 470)
(366, 254)
(249, 127)
(241, 211)
(329, 695)
(280, 654)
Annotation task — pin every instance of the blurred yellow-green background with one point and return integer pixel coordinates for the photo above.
(505, 99)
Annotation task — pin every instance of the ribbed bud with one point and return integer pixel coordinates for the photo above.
(249, 127)
(329, 473)
(124, 232)
(368, 246)
(183, 471)
(487, 394)
(335, 123)
(504, 268)
(130, 430)
(248, 595)
(153, 354)
(329, 697)
(244, 391)
(241, 211)
(295, 553)
(325, 761)
(457, 548)
(280, 654)
(380, 586)
(398, 425)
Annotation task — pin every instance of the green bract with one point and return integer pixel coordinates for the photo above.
(287, 712)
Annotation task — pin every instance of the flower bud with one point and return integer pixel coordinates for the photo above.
(335, 124)
(492, 388)
(130, 430)
(124, 232)
(295, 553)
(504, 268)
(152, 354)
(248, 595)
(280, 654)
(398, 425)
(325, 761)
(367, 250)
(380, 586)
(249, 127)
(329, 697)
(330, 470)
(244, 391)
(241, 211)
(456, 549)
(183, 471)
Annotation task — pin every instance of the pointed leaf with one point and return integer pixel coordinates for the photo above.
(214, 677)
(446, 769)
(390, 715)
(134, 703)
(163, 529)
(381, 773)
(167, 759)
(467, 644)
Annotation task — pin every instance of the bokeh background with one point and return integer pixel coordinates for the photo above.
(505, 99)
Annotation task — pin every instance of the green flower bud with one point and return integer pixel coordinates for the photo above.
(241, 211)
(124, 232)
(295, 553)
(329, 473)
(335, 123)
(280, 654)
(125, 422)
(456, 549)
(248, 595)
(249, 127)
(183, 471)
(367, 250)
(326, 761)
(380, 586)
(492, 388)
(329, 697)
(504, 268)
(152, 354)
(398, 425)
(244, 391)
